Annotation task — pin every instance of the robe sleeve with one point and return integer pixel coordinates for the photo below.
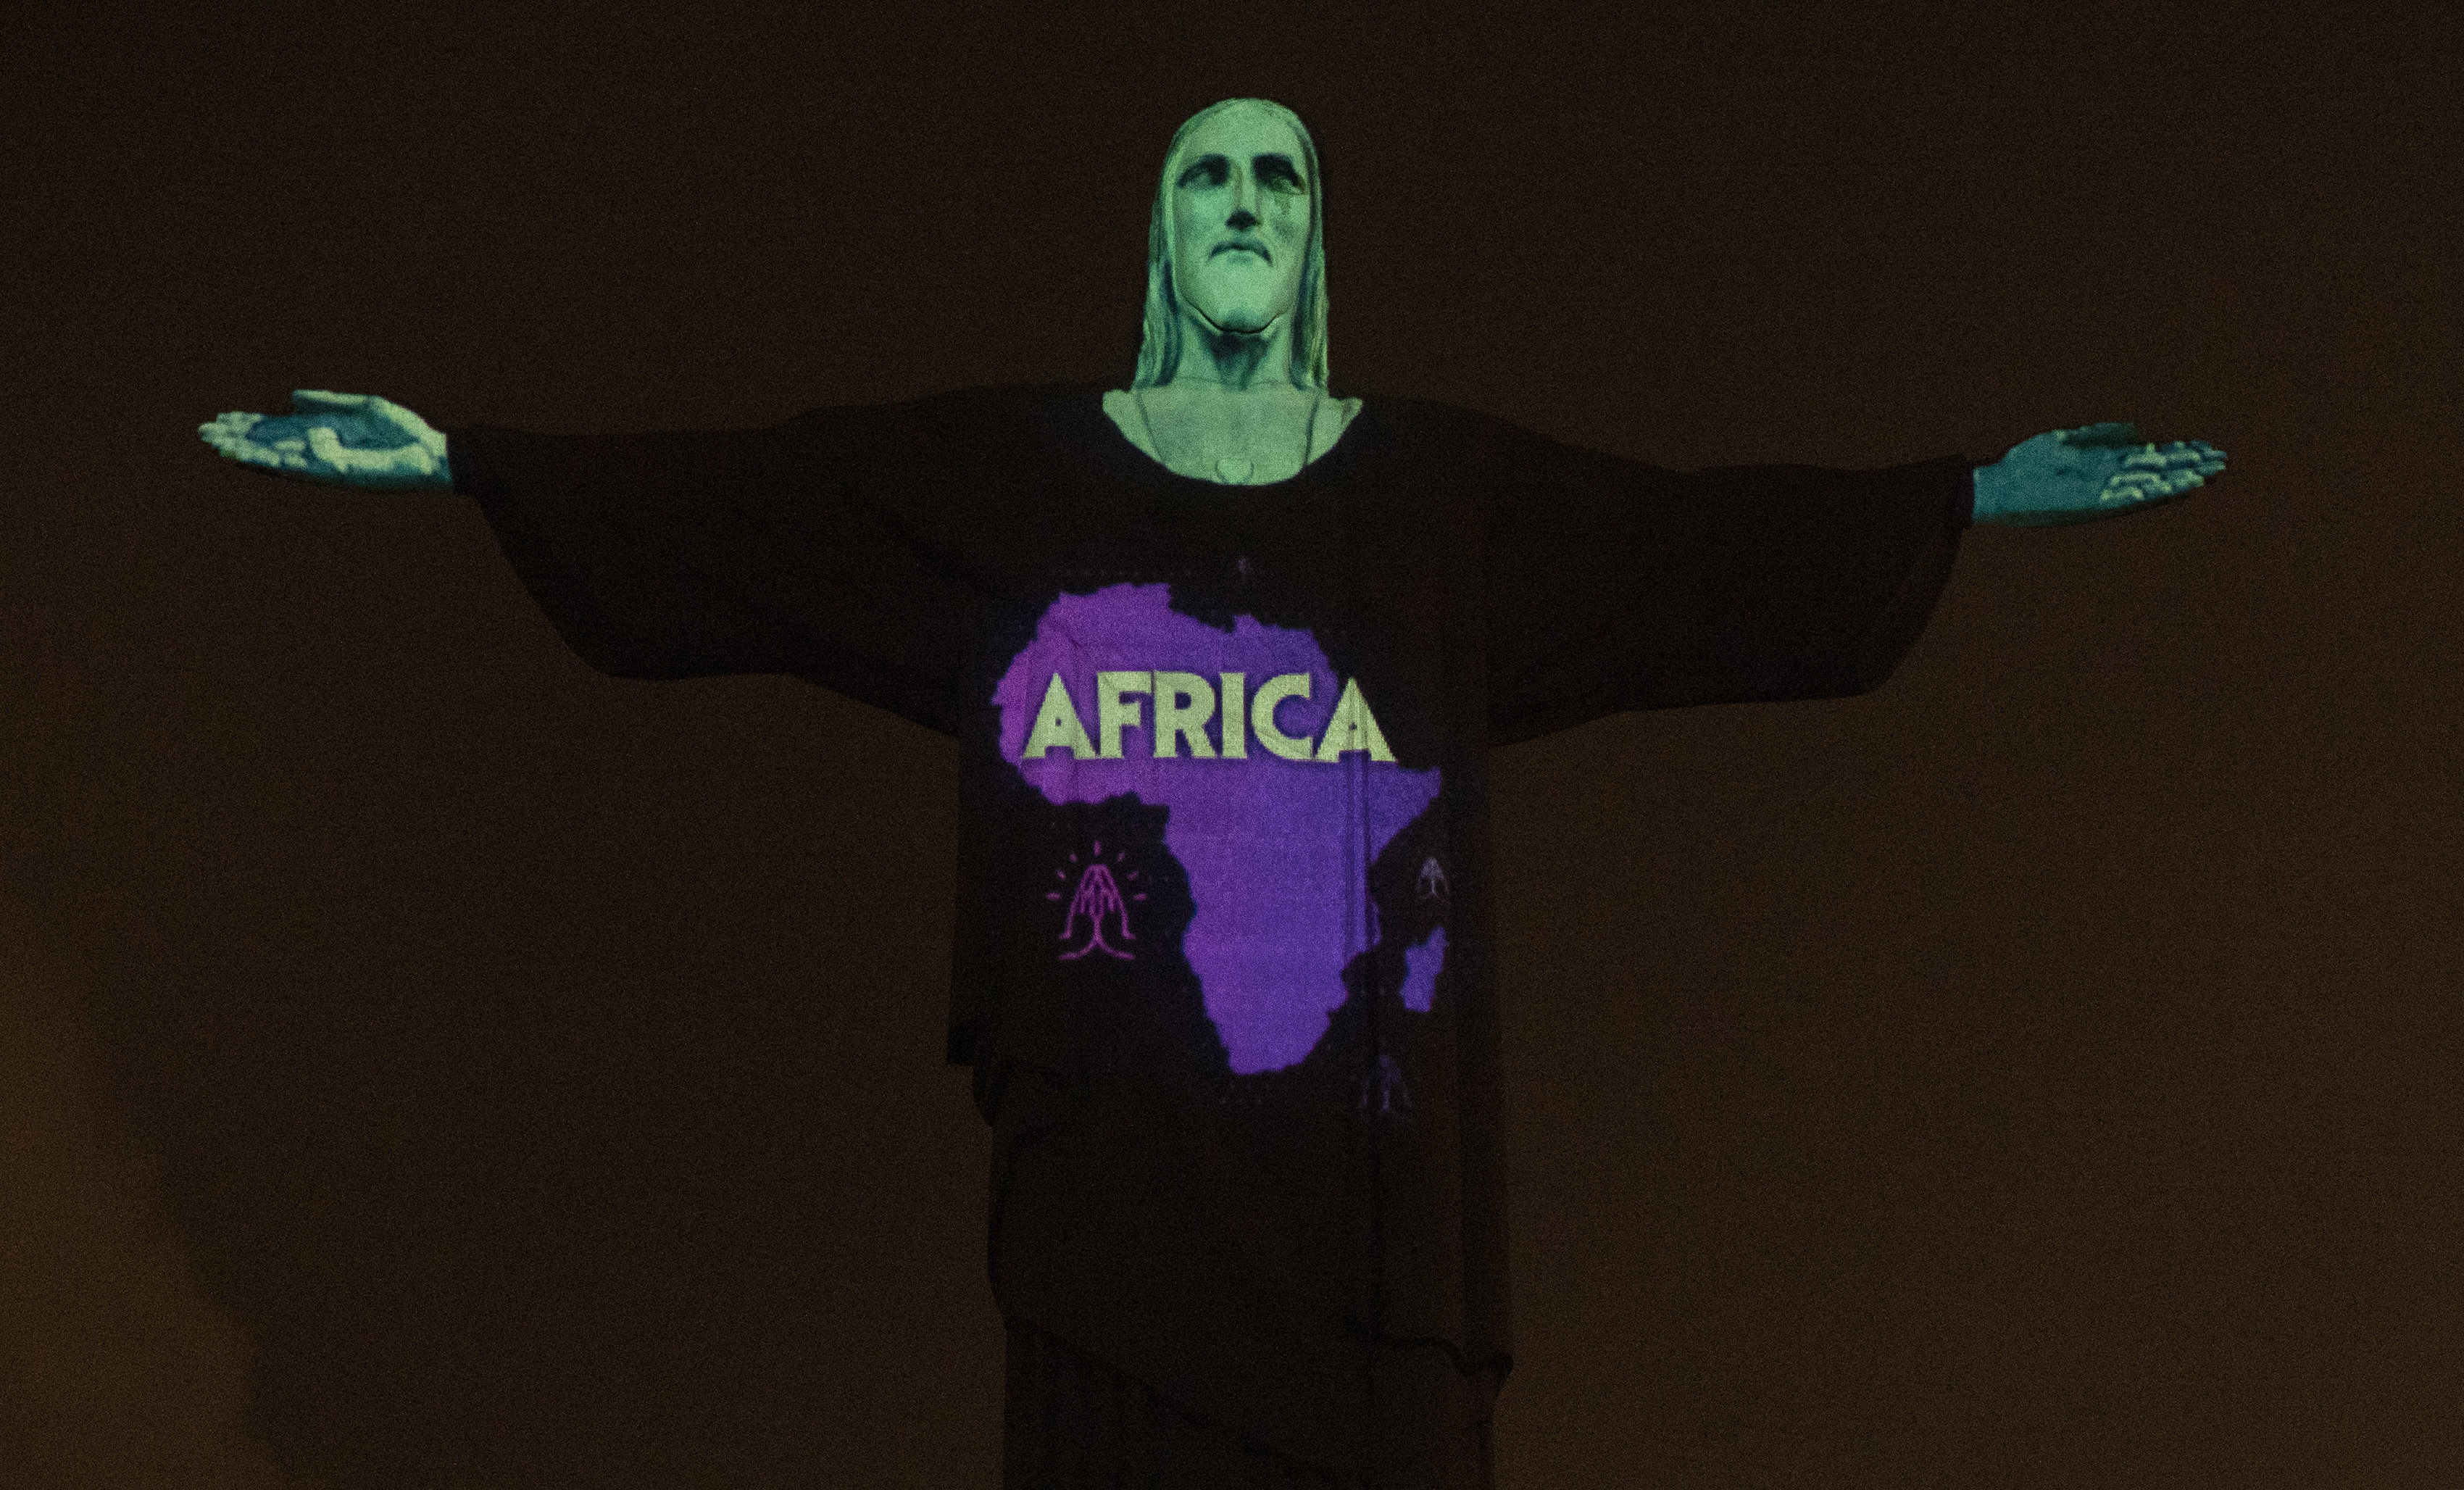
(1615, 585)
(698, 554)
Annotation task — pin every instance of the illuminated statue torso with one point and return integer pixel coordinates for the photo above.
(1233, 1009)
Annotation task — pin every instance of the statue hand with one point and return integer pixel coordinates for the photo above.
(340, 439)
(2095, 470)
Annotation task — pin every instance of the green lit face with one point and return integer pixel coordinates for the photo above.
(1240, 221)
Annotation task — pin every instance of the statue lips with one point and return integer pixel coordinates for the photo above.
(1259, 249)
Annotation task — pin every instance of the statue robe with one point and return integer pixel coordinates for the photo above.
(1224, 964)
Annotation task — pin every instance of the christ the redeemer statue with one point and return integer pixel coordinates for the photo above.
(1226, 656)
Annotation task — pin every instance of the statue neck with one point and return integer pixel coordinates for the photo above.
(1214, 362)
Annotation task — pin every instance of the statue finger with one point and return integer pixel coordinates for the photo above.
(328, 446)
(394, 413)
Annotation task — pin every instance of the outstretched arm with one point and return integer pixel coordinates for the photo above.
(2095, 470)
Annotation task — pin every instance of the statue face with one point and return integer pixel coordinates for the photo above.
(1240, 221)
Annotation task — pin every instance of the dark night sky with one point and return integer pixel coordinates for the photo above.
(425, 1061)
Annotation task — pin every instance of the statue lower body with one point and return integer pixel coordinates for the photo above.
(1071, 1422)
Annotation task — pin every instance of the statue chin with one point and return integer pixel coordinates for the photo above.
(1240, 320)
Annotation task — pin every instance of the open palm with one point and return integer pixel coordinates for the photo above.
(2091, 472)
(343, 439)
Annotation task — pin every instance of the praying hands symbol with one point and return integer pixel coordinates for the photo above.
(1098, 896)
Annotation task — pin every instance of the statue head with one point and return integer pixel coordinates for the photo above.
(1237, 241)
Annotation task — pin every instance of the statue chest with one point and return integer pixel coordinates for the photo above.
(1257, 447)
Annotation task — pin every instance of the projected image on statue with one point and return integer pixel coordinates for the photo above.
(1279, 787)
(1097, 899)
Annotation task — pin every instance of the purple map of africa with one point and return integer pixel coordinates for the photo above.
(1277, 850)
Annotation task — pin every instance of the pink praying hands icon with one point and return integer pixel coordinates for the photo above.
(1098, 898)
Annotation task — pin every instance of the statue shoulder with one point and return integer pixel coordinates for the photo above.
(1124, 412)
